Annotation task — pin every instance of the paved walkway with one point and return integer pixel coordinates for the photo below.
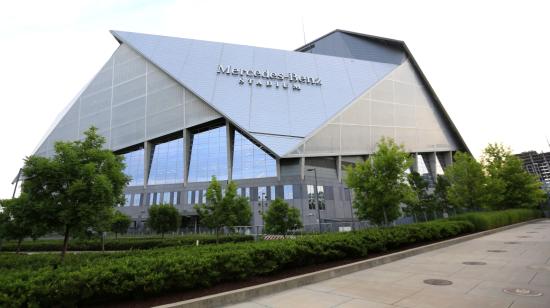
(523, 262)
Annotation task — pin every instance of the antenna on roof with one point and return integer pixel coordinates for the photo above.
(304, 30)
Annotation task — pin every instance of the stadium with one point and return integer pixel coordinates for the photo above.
(281, 124)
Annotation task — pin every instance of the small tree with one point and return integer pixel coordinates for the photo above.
(380, 183)
(441, 197)
(21, 219)
(163, 218)
(78, 187)
(467, 181)
(120, 223)
(423, 201)
(280, 217)
(223, 210)
(508, 184)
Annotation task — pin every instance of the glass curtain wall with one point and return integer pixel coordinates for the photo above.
(208, 155)
(250, 161)
(167, 163)
(134, 167)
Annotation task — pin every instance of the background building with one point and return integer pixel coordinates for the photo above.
(537, 164)
(181, 111)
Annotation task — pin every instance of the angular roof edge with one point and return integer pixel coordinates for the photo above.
(403, 45)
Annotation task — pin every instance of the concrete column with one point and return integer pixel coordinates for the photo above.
(415, 163)
(148, 150)
(432, 159)
(302, 168)
(230, 136)
(186, 154)
(449, 158)
(339, 168)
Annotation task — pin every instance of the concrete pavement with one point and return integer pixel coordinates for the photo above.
(517, 260)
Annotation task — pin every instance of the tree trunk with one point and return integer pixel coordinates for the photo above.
(65, 243)
(19, 245)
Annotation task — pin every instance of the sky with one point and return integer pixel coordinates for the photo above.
(486, 60)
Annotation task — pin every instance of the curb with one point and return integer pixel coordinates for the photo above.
(244, 294)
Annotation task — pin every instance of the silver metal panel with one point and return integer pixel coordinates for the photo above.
(129, 111)
(325, 142)
(126, 134)
(228, 92)
(101, 120)
(356, 139)
(199, 71)
(93, 103)
(361, 73)
(197, 111)
(165, 122)
(278, 144)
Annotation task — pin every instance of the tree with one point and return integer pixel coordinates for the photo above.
(223, 210)
(508, 184)
(280, 217)
(120, 223)
(78, 187)
(21, 219)
(441, 197)
(424, 201)
(380, 183)
(163, 218)
(467, 181)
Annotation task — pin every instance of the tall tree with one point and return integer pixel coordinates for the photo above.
(280, 217)
(120, 223)
(78, 187)
(467, 181)
(163, 218)
(223, 210)
(380, 183)
(509, 185)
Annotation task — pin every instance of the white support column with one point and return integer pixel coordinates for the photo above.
(147, 150)
(339, 168)
(229, 138)
(302, 168)
(432, 159)
(186, 154)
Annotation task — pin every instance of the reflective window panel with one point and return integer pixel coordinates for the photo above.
(311, 197)
(249, 161)
(127, 199)
(167, 163)
(134, 167)
(321, 193)
(272, 194)
(208, 155)
(137, 199)
(288, 192)
(166, 198)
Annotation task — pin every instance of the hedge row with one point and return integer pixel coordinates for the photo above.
(124, 243)
(489, 220)
(89, 279)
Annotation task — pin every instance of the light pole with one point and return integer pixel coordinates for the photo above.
(316, 197)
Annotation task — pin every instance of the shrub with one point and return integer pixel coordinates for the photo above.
(490, 220)
(41, 280)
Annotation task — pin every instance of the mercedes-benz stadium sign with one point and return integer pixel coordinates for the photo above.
(265, 78)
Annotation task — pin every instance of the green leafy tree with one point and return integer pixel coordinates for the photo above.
(508, 184)
(467, 189)
(21, 219)
(280, 217)
(441, 197)
(223, 210)
(423, 201)
(78, 187)
(163, 218)
(120, 223)
(380, 183)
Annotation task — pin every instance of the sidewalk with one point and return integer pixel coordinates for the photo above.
(515, 260)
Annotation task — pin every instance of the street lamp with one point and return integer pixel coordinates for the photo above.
(316, 197)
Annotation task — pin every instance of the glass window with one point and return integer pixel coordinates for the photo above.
(262, 193)
(167, 163)
(151, 198)
(190, 197)
(321, 193)
(250, 161)
(272, 194)
(288, 192)
(239, 191)
(311, 197)
(208, 155)
(137, 199)
(127, 199)
(247, 192)
(203, 197)
(166, 198)
(134, 167)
